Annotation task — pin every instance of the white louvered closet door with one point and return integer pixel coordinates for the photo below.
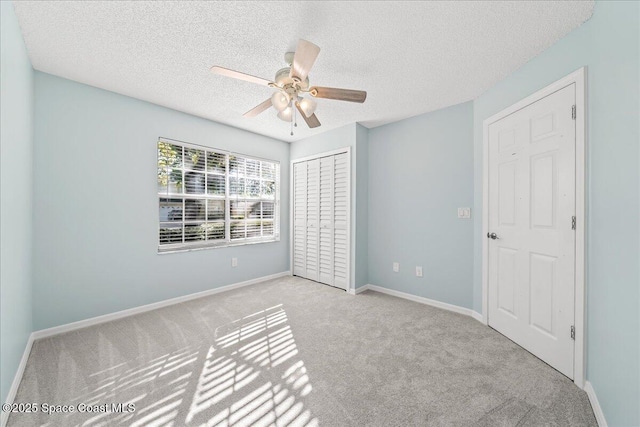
(313, 194)
(341, 221)
(326, 238)
(321, 220)
(300, 219)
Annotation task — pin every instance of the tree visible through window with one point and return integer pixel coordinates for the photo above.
(209, 197)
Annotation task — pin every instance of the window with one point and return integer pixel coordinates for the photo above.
(211, 198)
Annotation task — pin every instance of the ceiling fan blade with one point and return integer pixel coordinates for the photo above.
(240, 76)
(303, 59)
(339, 94)
(258, 109)
(312, 120)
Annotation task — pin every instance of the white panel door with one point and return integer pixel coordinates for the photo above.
(321, 201)
(531, 208)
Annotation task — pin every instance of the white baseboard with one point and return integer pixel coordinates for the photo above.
(4, 416)
(422, 300)
(359, 290)
(44, 333)
(477, 316)
(597, 410)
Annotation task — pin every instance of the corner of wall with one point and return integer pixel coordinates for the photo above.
(362, 202)
(16, 139)
(477, 218)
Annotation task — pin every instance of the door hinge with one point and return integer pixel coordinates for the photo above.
(573, 332)
(573, 222)
(573, 112)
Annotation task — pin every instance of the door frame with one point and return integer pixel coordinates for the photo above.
(350, 256)
(579, 78)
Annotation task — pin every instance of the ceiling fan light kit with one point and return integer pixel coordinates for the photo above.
(308, 106)
(286, 114)
(291, 83)
(280, 100)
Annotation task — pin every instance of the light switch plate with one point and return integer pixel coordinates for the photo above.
(464, 213)
(418, 271)
(396, 267)
(234, 262)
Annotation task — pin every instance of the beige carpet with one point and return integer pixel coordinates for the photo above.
(291, 352)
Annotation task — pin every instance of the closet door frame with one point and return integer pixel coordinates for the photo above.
(347, 151)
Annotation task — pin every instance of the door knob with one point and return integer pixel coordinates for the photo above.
(493, 236)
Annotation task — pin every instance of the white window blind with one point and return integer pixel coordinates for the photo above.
(212, 198)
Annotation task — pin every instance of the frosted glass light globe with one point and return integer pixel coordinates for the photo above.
(286, 114)
(308, 106)
(279, 100)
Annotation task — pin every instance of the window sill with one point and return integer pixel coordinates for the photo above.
(173, 250)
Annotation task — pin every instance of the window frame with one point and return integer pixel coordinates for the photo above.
(227, 199)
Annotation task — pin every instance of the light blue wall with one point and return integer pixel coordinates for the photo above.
(16, 148)
(362, 206)
(608, 44)
(97, 209)
(334, 139)
(346, 136)
(420, 172)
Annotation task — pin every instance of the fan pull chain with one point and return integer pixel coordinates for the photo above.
(294, 115)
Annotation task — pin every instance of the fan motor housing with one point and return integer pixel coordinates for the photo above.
(284, 81)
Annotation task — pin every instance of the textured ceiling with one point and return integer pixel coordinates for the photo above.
(411, 57)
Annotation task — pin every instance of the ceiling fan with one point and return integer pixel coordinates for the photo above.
(291, 83)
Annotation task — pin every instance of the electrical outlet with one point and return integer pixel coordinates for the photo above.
(396, 267)
(418, 271)
(234, 262)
